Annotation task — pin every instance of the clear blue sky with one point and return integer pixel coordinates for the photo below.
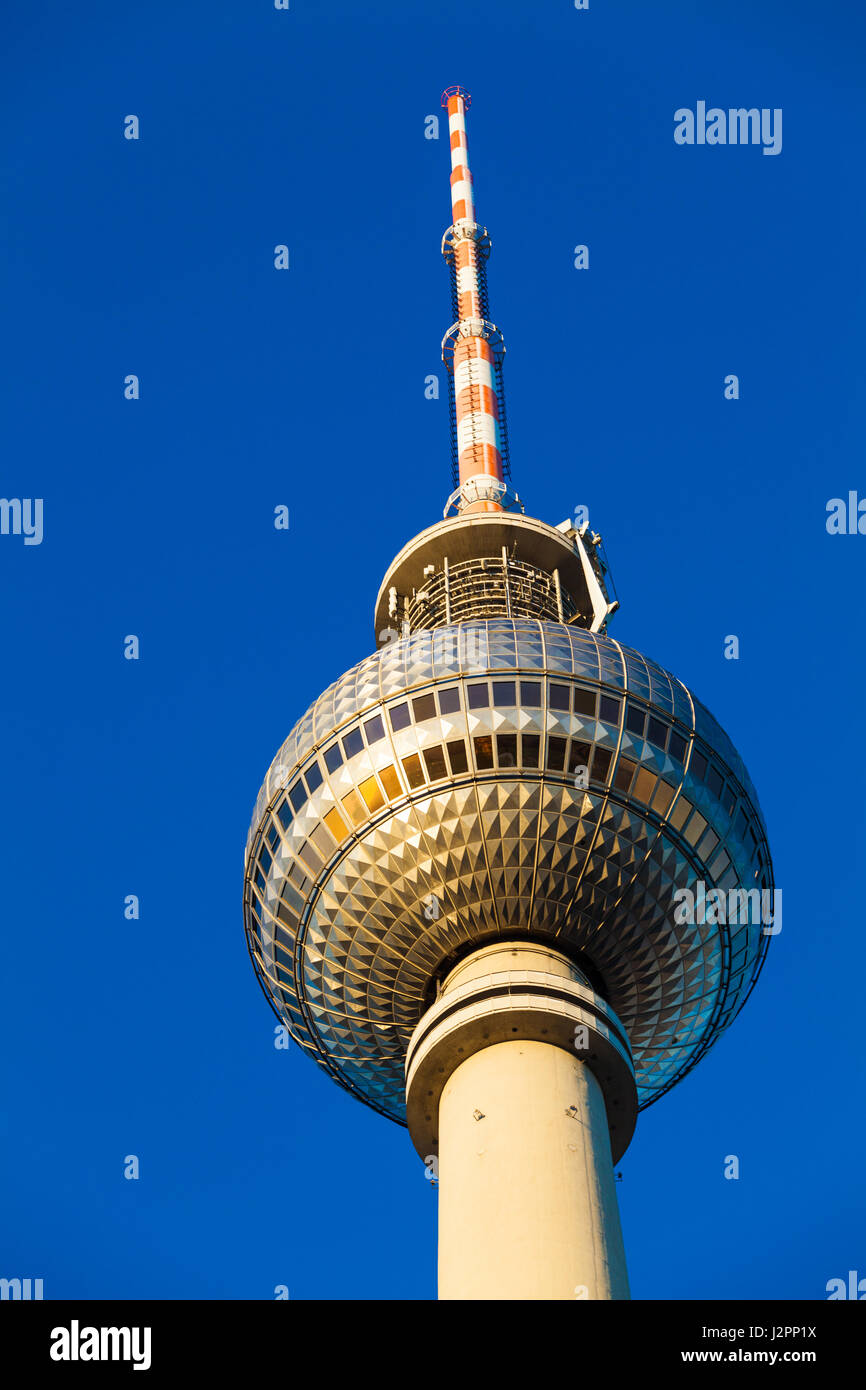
(305, 387)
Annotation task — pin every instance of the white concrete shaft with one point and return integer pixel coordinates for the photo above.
(527, 1196)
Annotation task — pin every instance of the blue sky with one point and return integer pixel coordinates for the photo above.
(306, 388)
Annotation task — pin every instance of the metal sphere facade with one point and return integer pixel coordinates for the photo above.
(496, 780)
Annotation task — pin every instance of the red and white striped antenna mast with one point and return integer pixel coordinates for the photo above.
(473, 348)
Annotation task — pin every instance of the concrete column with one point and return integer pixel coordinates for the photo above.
(518, 1077)
(527, 1198)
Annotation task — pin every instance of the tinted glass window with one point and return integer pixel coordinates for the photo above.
(714, 782)
(298, 795)
(506, 750)
(556, 754)
(560, 697)
(333, 758)
(449, 700)
(503, 692)
(484, 751)
(584, 701)
(698, 767)
(399, 717)
(353, 743)
(424, 707)
(677, 746)
(412, 768)
(601, 764)
(434, 759)
(624, 774)
(374, 729)
(635, 719)
(390, 781)
(313, 777)
(578, 755)
(478, 696)
(608, 709)
(457, 754)
(657, 732)
(530, 694)
(531, 744)
(311, 859)
(708, 844)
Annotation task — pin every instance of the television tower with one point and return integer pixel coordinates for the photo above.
(467, 862)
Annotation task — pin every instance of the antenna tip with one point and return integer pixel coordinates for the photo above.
(456, 92)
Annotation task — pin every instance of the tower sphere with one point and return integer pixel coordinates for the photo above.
(507, 779)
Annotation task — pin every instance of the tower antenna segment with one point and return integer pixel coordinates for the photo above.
(473, 348)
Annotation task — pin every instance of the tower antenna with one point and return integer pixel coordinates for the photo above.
(473, 349)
